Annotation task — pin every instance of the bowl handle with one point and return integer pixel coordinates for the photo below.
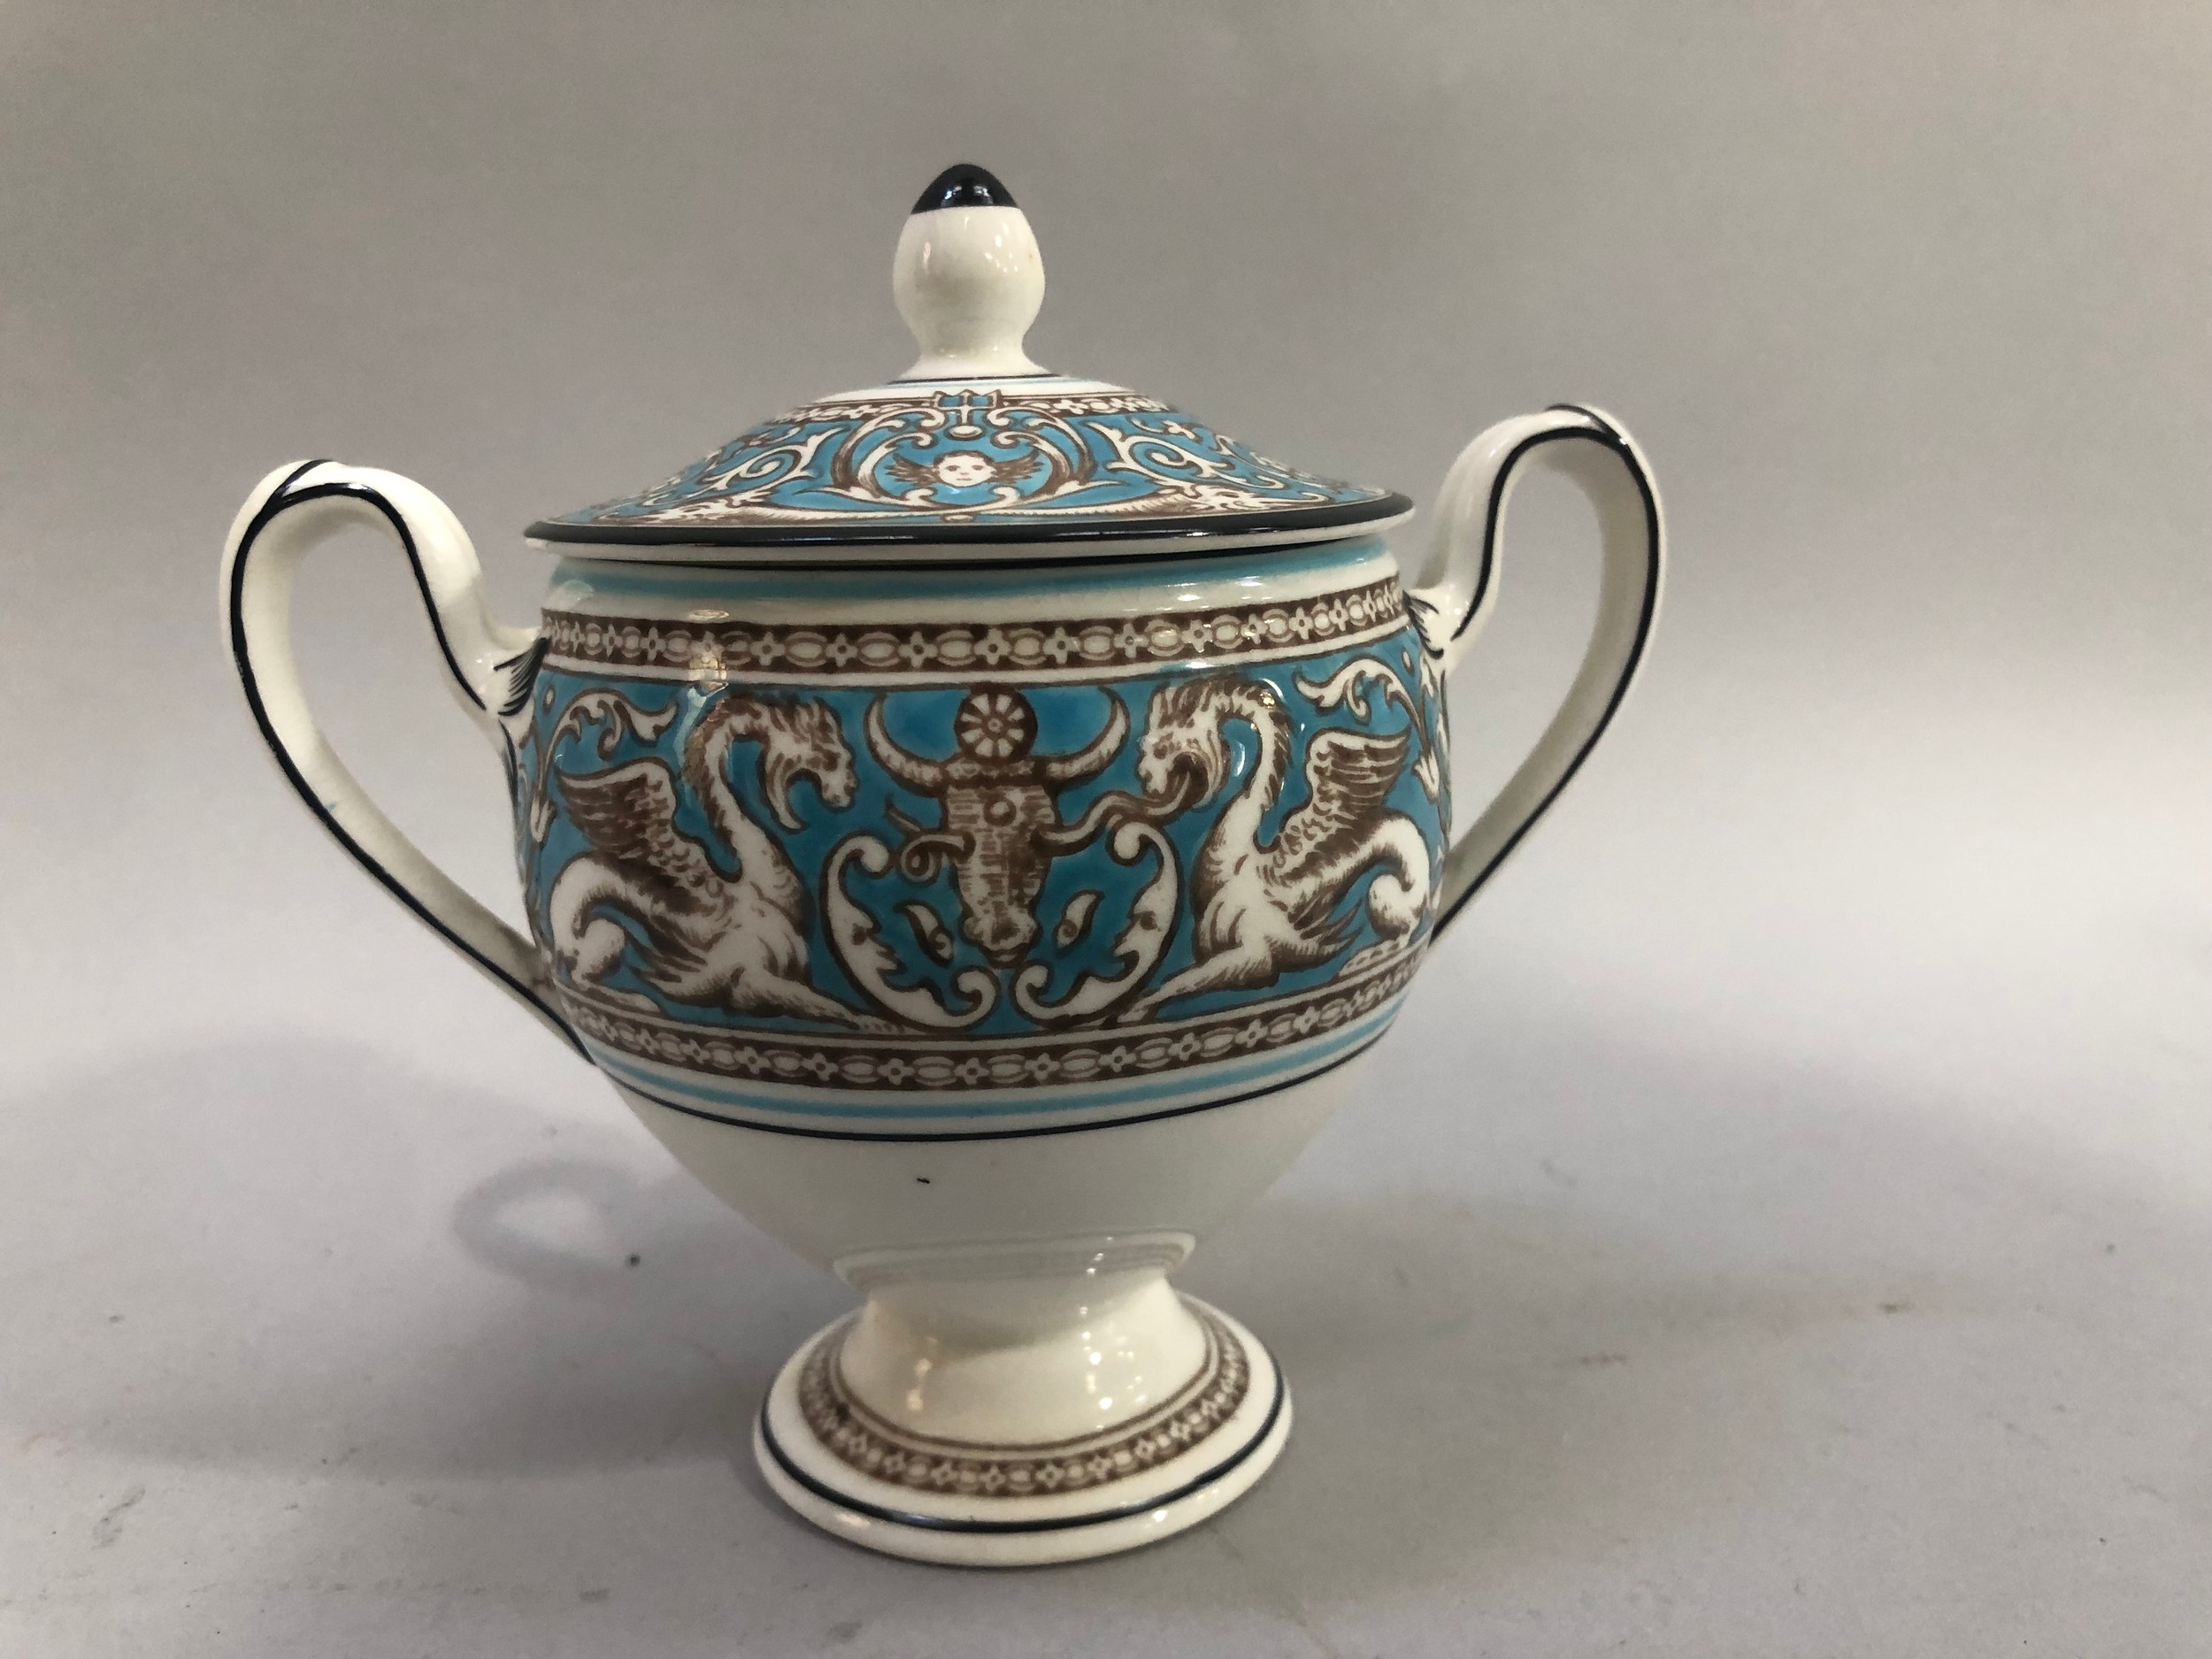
(1458, 589)
(491, 670)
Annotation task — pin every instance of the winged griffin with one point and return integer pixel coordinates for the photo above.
(703, 937)
(1268, 906)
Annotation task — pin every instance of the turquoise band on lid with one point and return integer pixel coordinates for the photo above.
(1030, 458)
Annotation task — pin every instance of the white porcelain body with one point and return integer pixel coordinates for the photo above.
(844, 1204)
(1016, 1296)
(1020, 1385)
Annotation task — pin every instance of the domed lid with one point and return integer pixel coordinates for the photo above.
(975, 443)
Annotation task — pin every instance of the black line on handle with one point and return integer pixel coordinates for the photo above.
(242, 656)
(1608, 437)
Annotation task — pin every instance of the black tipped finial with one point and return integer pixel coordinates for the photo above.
(964, 184)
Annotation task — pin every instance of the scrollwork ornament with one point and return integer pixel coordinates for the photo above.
(1137, 949)
(856, 938)
(971, 455)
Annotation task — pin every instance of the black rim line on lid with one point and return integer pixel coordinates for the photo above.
(860, 535)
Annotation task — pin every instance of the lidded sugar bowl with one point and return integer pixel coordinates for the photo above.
(978, 823)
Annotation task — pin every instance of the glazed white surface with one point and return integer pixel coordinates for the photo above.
(1198, 583)
(969, 281)
(829, 1200)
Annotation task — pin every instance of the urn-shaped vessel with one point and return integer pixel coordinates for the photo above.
(978, 823)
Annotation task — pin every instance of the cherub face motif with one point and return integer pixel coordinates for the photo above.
(963, 469)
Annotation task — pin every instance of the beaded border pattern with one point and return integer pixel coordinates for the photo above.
(919, 1067)
(590, 643)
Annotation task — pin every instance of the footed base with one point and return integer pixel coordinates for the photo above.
(987, 1502)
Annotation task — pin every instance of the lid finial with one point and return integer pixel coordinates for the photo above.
(968, 279)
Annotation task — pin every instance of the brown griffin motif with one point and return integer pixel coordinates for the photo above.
(1269, 903)
(697, 935)
(999, 826)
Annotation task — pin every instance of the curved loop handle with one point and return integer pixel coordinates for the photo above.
(1458, 589)
(489, 668)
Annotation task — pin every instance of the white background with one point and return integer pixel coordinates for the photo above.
(1782, 1222)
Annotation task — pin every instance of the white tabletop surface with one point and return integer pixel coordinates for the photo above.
(1781, 1224)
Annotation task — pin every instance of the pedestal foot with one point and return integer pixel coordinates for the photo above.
(983, 1500)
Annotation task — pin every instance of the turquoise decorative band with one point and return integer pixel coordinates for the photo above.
(1026, 456)
(885, 876)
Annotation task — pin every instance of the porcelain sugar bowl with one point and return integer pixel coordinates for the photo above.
(978, 823)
